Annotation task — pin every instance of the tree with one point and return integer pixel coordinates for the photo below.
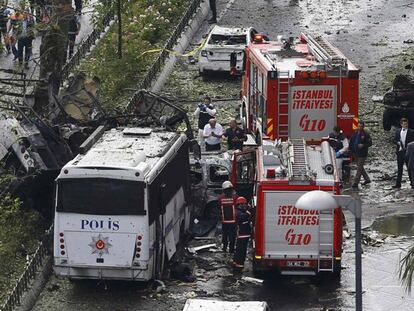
(53, 49)
(406, 270)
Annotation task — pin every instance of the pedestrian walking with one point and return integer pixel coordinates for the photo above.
(339, 142)
(212, 134)
(402, 138)
(359, 144)
(227, 202)
(235, 136)
(73, 31)
(205, 111)
(4, 18)
(15, 18)
(244, 231)
(409, 158)
(213, 9)
(25, 36)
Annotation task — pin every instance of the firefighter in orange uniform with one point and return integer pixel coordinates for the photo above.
(244, 231)
(227, 202)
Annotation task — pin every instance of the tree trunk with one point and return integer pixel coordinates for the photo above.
(53, 50)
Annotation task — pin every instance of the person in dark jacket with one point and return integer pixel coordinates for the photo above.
(205, 111)
(402, 138)
(213, 9)
(73, 31)
(235, 136)
(409, 158)
(359, 144)
(244, 230)
(227, 202)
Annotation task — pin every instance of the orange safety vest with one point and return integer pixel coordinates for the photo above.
(228, 209)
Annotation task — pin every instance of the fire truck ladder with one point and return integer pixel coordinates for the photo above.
(283, 85)
(326, 241)
(298, 160)
(324, 51)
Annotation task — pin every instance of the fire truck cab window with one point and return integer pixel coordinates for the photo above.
(218, 174)
(227, 40)
(245, 171)
(100, 196)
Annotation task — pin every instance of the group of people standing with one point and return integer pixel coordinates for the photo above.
(210, 132)
(358, 148)
(236, 224)
(18, 29)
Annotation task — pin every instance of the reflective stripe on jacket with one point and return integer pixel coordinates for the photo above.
(228, 209)
(244, 228)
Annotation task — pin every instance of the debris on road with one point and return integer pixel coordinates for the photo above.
(212, 305)
(183, 272)
(194, 250)
(252, 280)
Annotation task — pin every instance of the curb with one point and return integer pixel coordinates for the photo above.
(182, 44)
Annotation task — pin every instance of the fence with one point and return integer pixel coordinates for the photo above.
(85, 46)
(160, 61)
(36, 262)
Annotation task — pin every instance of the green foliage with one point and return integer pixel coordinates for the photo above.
(146, 24)
(406, 270)
(19, 233)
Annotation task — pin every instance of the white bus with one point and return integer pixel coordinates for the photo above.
(122, 205)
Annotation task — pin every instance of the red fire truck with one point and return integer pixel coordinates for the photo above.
(298, 89)
(286, 239)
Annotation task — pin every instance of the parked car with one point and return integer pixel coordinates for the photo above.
(220, 43)
(399, 100)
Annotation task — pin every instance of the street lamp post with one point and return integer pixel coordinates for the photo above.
(321, 200)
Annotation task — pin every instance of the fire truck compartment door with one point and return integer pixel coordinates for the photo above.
(288, 231)
(312, 111)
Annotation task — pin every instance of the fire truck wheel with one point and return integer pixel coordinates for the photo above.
(387, 120)
(257, 273)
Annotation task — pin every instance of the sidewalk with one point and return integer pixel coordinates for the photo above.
(6, 61)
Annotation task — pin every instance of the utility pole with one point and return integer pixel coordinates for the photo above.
(119, 29)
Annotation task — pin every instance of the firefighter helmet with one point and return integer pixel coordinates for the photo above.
(227, 185)
(241, 200)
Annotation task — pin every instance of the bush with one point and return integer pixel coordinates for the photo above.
(20, 230)
(146, 25)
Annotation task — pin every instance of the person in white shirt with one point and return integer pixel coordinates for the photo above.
(212, 134)
(205, 111)
(402, 138)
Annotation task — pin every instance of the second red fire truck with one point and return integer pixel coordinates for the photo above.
(286, 239)
(298, 88)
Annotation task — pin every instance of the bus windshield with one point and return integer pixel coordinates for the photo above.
(100, 196)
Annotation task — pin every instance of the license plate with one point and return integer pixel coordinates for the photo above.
(297, 263)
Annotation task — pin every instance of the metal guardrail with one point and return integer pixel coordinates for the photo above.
(160, 61)
(36, 262)
(85, 46)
